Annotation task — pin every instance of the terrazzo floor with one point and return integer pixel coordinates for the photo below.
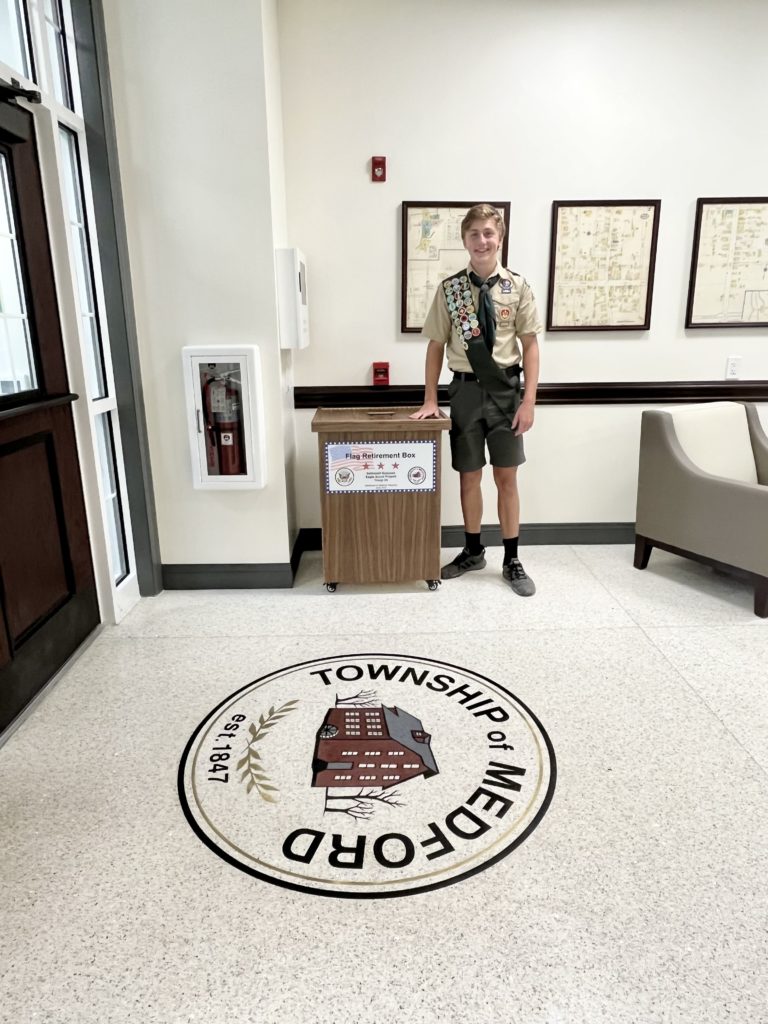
(640, 898)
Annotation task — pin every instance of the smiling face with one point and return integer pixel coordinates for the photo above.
(482, 241)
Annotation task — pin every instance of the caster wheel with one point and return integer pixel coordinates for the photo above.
(331, 588)
(433, 584)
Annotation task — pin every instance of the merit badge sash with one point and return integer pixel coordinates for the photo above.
(494, 380)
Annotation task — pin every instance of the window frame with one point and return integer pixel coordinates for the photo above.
(117, 592)
(31, 395)
(6, 70)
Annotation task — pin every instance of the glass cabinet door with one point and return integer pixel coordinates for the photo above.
(225, 416)
(221, 423)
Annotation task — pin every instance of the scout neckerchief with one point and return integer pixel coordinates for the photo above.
(485, 311)
(470, 326)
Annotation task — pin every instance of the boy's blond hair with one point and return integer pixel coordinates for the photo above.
(483, 211)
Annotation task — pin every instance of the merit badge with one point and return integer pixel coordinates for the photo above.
(504, 313)
(506, 287)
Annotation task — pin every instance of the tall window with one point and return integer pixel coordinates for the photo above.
(113, 512)
(81, 248)
(17, 365)
(37, 46)
(103, 405)
(14, 37)
(61, 79)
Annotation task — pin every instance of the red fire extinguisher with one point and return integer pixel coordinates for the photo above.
(207, 377)
(222, 409)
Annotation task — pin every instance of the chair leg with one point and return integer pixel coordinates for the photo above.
(761, 598)
(643, 548)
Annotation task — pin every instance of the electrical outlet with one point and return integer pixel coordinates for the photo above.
(733, 367)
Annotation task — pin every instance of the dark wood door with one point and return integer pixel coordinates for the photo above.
(48, 602)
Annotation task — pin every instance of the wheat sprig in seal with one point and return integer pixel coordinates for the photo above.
(250, 763)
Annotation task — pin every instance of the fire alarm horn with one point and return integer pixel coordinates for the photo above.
(378, 168)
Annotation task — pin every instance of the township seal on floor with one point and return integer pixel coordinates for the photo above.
(367, 775)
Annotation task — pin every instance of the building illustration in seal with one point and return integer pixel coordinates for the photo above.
(369, 746)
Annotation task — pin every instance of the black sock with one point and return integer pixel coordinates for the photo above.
(510, 549)
(472, 543)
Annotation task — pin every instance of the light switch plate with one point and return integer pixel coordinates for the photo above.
(733, 368)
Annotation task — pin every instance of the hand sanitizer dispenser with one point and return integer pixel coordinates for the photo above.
(293, 308)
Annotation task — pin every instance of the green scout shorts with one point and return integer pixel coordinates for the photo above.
(476, 420)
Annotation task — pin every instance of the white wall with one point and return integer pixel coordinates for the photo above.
(499, 99)
(529, 102)
(275, 151)
(189, 90)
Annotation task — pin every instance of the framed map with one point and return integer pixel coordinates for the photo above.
(432, 251)
(729, 265)
(602, 259)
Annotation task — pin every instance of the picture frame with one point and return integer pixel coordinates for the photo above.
(602, 263)
(728, 286)
(431, 251)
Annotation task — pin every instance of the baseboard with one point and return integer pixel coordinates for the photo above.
(301, 545)
(280, 575)
(549, 533)
(311, 539)
(249, 576)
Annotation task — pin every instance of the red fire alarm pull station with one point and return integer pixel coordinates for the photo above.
(381, 373)
(378, 168)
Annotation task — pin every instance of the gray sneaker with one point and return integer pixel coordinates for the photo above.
(518, 578)
(463, 562)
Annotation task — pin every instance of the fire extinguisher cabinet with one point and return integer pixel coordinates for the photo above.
(380, 495)
(225, 416)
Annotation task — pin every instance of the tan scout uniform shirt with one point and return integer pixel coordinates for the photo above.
(516, 314)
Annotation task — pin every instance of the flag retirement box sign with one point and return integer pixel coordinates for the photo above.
(394, 466)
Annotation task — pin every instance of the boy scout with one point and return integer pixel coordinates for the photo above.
(477, 317)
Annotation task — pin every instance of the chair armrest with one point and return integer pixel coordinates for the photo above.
(681, 505)
(759, 442)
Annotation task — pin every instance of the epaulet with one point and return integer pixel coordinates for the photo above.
(514, 273)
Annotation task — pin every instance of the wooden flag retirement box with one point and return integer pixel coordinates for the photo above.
(380, 495)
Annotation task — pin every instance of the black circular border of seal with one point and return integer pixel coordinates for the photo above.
(368, 895)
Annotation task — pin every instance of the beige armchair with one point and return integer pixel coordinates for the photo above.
(702, 489)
